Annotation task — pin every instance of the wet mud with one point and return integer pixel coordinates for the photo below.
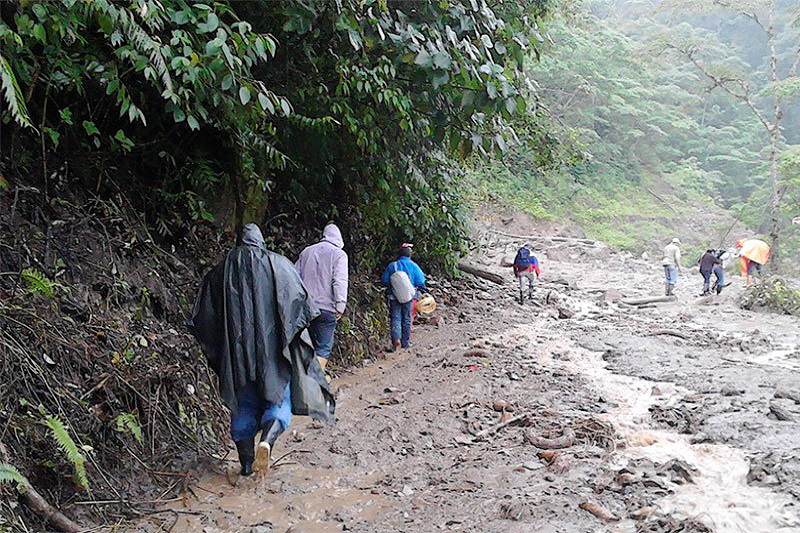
(570, 413)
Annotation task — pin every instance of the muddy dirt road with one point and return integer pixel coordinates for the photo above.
(676, 418)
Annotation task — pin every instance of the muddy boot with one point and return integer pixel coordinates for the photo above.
(246, 456)
(264, 449)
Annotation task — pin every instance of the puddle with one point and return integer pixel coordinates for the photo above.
(720, 496)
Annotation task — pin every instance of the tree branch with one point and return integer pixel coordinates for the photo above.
(724, 84)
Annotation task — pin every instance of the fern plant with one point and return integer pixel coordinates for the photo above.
(128, 423)
(38, 283)
(70, 449)
(13, 94)
(9, 475)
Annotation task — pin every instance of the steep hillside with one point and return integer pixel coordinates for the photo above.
(632, 216)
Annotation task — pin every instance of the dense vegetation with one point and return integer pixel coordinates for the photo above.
(137, 135)
(660, 137)
(339, 108)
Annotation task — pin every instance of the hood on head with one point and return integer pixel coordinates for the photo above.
(332, 234)
(676, 241)
(251, 236)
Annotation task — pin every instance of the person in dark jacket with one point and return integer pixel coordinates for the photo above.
(707, 263)
(400, 314)
(248, 318)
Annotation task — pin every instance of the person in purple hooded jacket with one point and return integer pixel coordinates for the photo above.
(323, 269)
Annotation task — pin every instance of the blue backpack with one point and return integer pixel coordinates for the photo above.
(523, 258)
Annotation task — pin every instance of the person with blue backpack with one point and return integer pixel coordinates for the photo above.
(403, 280)
(526, 269)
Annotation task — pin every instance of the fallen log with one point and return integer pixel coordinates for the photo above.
(545, 238)
(50, 514)
(670, 333)
(481, 273)
(784, 415)
(497, 427)
(599, 511)
(42, 507)
(788, 394)
(648, 300)
(566, 440)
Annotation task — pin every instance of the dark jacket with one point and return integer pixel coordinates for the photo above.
(708, 261)
(248, 318)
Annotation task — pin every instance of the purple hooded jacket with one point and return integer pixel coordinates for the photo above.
(323, 269)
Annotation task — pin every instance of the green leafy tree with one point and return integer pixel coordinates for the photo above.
(287, 102)
(767, 94)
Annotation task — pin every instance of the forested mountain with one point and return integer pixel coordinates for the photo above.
(666, 104)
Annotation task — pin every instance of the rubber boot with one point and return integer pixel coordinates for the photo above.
(246, 456)
(264, 449)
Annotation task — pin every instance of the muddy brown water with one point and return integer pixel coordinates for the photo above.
(402, 456)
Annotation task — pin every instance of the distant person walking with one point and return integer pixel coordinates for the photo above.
(248, 318)
(754, 254)
(672, 265)
(323, 269)
(527, 270)
(719, 271)
(403, 280)
(707, 263)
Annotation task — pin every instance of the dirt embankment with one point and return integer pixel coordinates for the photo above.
(571, 413)
(92, 306)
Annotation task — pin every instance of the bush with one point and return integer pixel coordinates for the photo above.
(773, 294)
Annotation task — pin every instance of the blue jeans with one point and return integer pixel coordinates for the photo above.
(753, 268)
(706, 280)
(671, 274)
(321, 330)
(400, 318)
(719, 272)
(255, 413)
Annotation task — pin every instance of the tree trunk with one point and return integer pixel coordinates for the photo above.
(776, 140)
(481, 273)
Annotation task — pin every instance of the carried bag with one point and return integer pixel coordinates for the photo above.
(402, 288)
(523, 258)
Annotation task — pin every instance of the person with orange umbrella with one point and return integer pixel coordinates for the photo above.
(754, 254)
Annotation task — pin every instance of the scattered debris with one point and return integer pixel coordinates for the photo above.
(649, 300)
(780, 413)
(788, 394)
(497, 427)
(599, 511)
(564, 440)
(502, 405)
(670, 333)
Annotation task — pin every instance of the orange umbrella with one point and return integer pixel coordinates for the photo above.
(755, 250)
